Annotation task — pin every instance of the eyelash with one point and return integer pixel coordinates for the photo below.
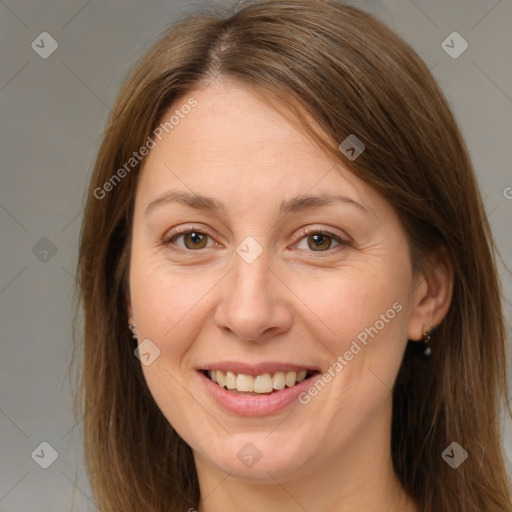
(304, 232)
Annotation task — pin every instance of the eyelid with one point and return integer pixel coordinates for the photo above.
(168, 240)
(303, 232)
(308, 230)
(180, 230)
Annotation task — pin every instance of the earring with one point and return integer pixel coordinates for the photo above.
(132, 329)
(425, 338)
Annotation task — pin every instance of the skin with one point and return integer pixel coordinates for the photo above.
(293, 303)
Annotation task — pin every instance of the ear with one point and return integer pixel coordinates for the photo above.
(432, 294)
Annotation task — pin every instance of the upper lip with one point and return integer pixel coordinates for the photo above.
(256, 369)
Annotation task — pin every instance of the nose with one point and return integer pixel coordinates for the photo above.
(253, 305)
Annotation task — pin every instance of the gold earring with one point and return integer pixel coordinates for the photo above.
(426, 335)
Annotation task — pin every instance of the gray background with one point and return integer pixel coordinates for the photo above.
(53, 113)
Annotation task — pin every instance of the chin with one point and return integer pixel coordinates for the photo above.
(259, 457)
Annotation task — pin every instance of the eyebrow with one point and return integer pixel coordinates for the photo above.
(295, 204)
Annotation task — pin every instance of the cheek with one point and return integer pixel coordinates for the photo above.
(169, 306)
(362, 318)
(181, 407)
(347, 304)
(170, 309)
(363, 327)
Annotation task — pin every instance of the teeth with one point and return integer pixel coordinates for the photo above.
(260, 384)
(263, 383)
(278, 380)
(230, 379)
(291, 379)
(244, 382)
(301, 375)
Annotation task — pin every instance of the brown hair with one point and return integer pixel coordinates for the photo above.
(352, 75)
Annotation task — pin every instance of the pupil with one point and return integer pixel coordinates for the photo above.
(320, 242)
(196, 239)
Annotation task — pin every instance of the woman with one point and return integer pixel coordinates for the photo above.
(283, 212)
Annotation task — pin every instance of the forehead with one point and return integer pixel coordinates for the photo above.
(233, 125)
(235, 145)
(231, 132)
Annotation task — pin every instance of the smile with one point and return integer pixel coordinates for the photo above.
(255, 390)
(265, 383)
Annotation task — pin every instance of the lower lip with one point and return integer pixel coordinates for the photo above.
(253, 405)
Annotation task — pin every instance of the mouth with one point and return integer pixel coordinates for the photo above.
(261, 389)
(256, 385)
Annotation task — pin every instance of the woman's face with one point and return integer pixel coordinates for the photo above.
(288, 264)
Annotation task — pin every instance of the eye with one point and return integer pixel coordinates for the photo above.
(319, 241)
(191, 240)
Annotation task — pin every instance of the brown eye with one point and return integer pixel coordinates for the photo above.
(319, 242)
(195, 240)
(188, 240)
